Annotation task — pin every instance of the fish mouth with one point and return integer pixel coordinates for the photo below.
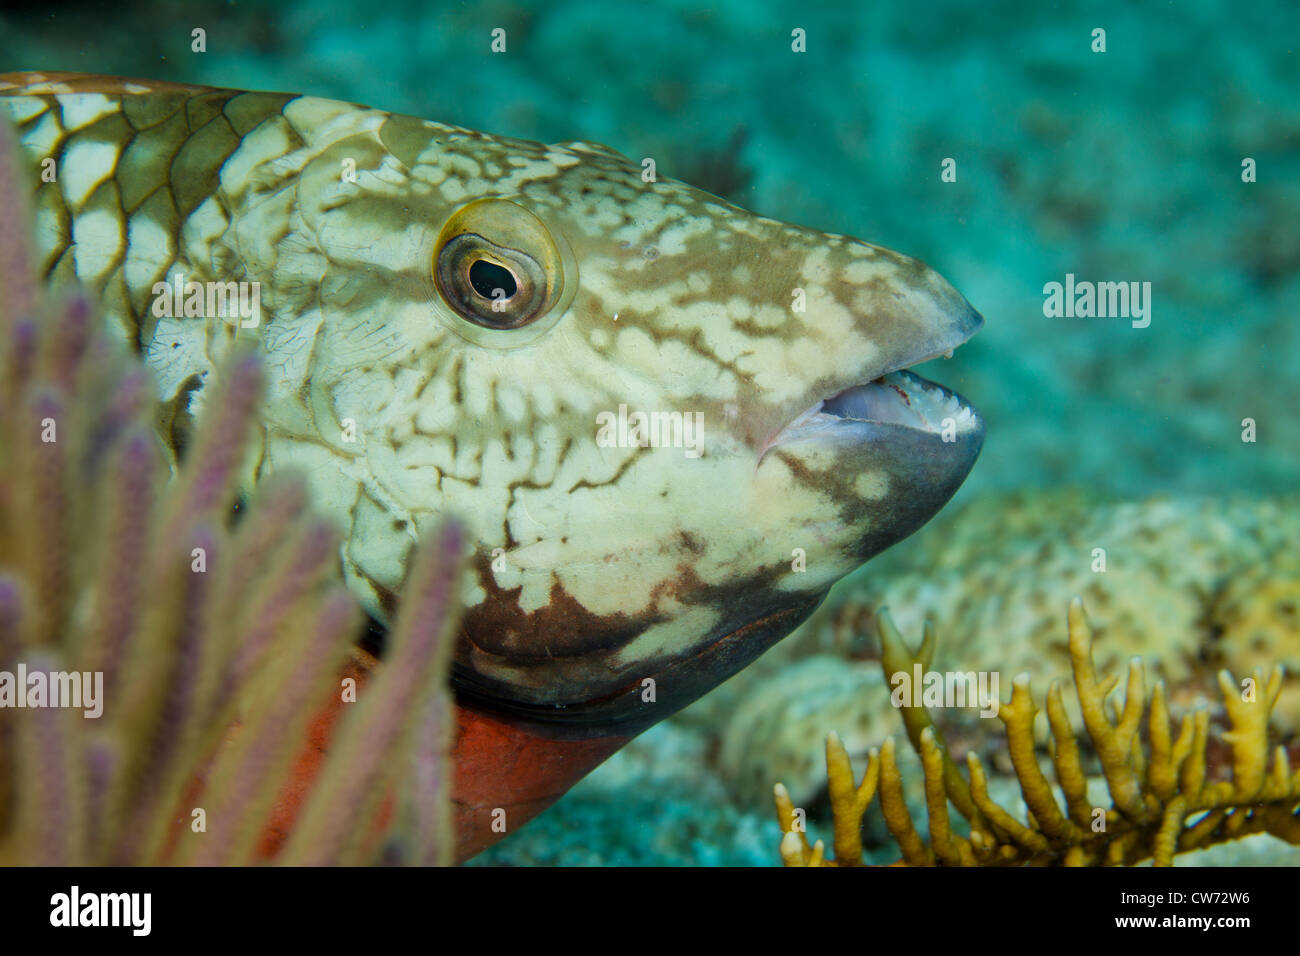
(897, 397)
(900, 398)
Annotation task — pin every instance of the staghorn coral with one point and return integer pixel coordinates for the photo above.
(1163, 801)
(218, 641)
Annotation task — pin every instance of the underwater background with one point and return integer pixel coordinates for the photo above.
(1122, 166)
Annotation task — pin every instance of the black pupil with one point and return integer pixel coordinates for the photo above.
(486, 277)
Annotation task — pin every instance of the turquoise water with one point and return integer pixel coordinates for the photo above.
(1116, 166)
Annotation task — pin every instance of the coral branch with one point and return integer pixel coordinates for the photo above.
(1161, 802)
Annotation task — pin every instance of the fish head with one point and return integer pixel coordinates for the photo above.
(669, 424)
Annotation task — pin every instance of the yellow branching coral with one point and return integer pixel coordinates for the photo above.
(1162, 801)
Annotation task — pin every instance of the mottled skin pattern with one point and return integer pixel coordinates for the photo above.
(615, 564)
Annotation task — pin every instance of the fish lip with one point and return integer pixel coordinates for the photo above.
(812, 417)
(682, 679)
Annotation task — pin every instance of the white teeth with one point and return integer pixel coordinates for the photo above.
(932, 403)
(948, 354)
(899, 398)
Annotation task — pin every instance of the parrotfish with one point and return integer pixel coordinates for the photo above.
(669, 425)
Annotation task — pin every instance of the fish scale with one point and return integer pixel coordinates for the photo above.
(647, 426)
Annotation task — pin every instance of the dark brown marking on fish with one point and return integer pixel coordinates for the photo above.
(561, 628)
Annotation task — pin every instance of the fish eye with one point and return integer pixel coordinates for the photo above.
(492, 281)
(497, 266)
